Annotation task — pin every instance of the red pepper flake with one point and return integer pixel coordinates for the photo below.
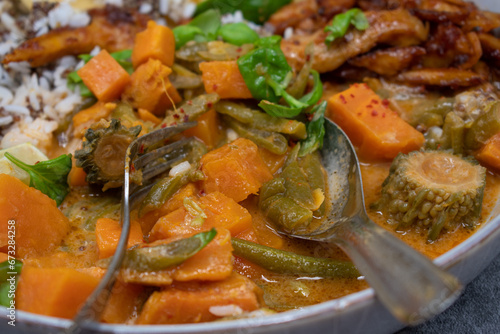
(209, 105)
(238, 50)
(36, 163)
(342, 99)
(385, 102)
(201, 192)
(141, 149)
(308, 57)
(181, 110)
(132, 168)
(374, 113)
(365, 86)
(352, 95)
(164, 125)
(309, 117)
(359, 114)
(176, 116)
(214, 87)
(356, 85)
(374, 101)
(383, 115)
(369, 106)
(189, 103)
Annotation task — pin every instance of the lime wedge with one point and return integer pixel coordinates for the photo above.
(27, 153)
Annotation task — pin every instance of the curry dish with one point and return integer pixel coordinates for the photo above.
(413, 83)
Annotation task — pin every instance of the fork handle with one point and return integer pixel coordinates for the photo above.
(405, 281)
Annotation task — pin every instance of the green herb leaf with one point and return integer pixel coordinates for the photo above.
(8, 269)
(315, 131)
(257, 11)
(278, 110)
(341, 23)
(262, 66)
(50, 177)
(202, 28)
(238, 33)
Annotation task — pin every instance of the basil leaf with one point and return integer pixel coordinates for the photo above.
(257, 11)
(8, 269)
(202, 28)
(315, 131)
(262, 66)
(50, 177)
(341, 23)
(278, 110)
(238, 33)
(184, 34)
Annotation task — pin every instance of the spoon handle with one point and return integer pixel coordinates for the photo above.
(407, 283)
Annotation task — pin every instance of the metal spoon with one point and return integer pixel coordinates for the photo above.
(406, 282)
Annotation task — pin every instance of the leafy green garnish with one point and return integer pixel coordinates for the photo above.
(278, 110)
(341, 23)
(202, 28)
(50, 176)
(9, 269)
(257, 11)
(74, 80)
(238, 33)
(315, 130)
(264, 66)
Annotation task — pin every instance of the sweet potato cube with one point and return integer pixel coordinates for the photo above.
(57, 292)
(104, 77)
(221, 212)
(156, 42)
(40, 225)
(173, 203)
(378, 132)
(197, 302)
(225, 79)
(235, 169)
(489, 154)
(150, 88)
(207, 129)
(85, 118)
(107, 234)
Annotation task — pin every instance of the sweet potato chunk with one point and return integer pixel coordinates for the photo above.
(225, 79)
(156, 42)
(85, 118)
(212, 263)
(149, 86)
(40, 225)
(207, 130)
(378, 131)
(104, 76)
(192, 302)
(221, 212)
(57, 292)
(236, 170)
(107, 234)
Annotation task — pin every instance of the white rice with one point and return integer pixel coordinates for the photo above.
(33, 104)
(226, 310)
(181, 168)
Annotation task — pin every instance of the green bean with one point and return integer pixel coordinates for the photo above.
(286, 213)
(182, 78)
(8, 269)
(166, 187)
(297, 88)
(262, 121)
(311, 165)
(284, 262)
(271, 141)
(274, 187)
(484, 127)
(190, 110)
(163, 256)
(125, 113)
(453, 133)
(297, 186)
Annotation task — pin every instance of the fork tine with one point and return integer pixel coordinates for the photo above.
(146, 158)
(152, 171)
(94, 305)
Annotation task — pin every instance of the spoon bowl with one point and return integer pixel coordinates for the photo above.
(406, 282)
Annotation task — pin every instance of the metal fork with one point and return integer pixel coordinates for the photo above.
(142, 154)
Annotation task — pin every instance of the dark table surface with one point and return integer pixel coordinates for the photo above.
(476, 311)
